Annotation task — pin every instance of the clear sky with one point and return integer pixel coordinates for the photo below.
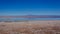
(27, 7)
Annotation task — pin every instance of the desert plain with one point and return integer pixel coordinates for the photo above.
(31, 27)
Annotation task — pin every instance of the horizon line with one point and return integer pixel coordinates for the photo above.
(32, 16)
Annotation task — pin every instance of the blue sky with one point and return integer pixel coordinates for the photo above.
(27, 7)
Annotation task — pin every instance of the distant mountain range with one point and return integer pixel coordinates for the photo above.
(32, 16)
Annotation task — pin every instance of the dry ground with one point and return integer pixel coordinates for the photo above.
(30, 27)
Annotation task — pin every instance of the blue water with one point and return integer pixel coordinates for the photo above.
(29, 18)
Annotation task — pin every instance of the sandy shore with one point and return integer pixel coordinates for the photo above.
(30, 27)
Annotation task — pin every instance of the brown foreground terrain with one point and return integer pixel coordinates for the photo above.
(30, 27)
